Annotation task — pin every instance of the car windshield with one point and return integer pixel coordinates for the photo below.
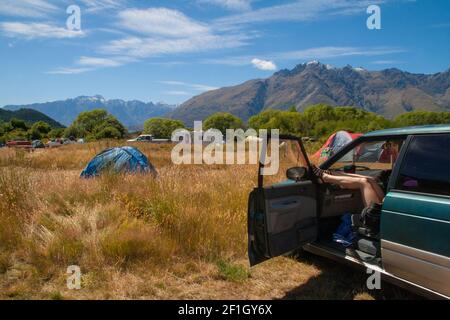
(371, 155)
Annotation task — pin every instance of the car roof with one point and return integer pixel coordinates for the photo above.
(429, 129)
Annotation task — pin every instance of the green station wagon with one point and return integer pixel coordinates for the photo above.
(411, 247)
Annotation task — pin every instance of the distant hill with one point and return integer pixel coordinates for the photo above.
(131, 113)
(388, 92)
(28, 115)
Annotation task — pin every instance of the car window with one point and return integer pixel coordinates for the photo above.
(425, 167)
(371, 155)
(290, 155)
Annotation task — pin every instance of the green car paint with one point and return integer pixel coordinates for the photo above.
(418, 221)
(430, 129)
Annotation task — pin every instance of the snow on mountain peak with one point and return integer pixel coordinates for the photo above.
(312, 62)
(359, 69)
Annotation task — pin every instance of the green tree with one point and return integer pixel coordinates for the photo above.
(96, 124)
(18, 124)
(108, 123)
(292, 109)
(288, 122)
(162, 128)
(88, 120)
(56, 133)
(39, 130)
(108, 133)
(222, 121)
(415, 118)
(323, 120)
(42, 127)
(320, 112)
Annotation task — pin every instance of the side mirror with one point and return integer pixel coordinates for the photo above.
(296, 173)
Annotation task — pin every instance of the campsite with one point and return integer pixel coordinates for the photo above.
(224, 150)
(180, 236)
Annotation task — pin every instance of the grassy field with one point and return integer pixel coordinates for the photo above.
(180, 236)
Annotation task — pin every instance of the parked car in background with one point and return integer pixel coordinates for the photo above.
(54, 143)
(142, 138)
(37, 144)
(407, 242)
(24, 144)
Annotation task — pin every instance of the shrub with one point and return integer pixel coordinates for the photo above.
(415, 118)
(222, 121)
(95, 124)
(162, 128)
(288, 122)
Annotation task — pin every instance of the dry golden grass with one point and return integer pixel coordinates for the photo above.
(180, 236)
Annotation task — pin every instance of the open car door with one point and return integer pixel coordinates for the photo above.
(282, 213)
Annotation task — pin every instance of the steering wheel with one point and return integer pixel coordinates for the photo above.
(362, 168)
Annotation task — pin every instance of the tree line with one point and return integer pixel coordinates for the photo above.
(317, 121)
(19, 129)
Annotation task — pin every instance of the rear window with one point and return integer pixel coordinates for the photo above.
(426, 166)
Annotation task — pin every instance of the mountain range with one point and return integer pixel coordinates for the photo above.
(388, 92)
(131, 113)
(28, 115)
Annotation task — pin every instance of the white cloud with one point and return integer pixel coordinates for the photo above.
(315, 53)
(166, 31)
(158, 32)
(300, 10)
(202, 87)
(96, 62)
(172, 82)
(195, 86)
(178, 93)
(230, 61)
(336, 52)
(240, 5)
(386, 62)
(162, 22)
(37, 30)
(263, 64)
(86, 64)
(69, 71)
(152, 47)
(99, 5)
(27, 8)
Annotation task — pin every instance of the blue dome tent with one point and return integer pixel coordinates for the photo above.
(119, 160)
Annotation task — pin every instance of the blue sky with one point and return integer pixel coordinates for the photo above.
(172, 50)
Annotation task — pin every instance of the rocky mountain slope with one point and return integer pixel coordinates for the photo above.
(388, 92)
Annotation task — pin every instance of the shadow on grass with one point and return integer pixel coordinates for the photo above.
(340, 282)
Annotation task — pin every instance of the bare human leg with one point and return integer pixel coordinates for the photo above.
(362, 183)
(371, 180)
